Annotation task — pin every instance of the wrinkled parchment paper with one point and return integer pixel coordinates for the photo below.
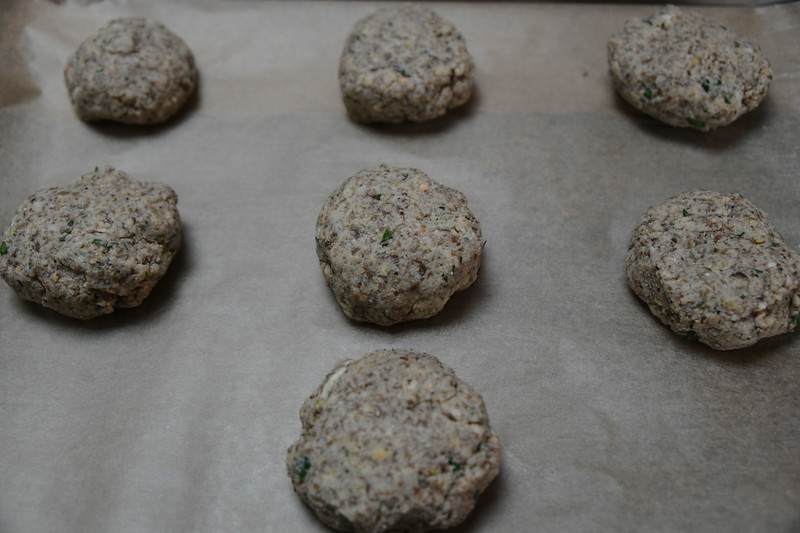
(176, 416)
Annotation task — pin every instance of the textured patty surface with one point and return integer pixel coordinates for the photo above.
(687, 70)
(393, 441)
(713, 266)
(133, 70)
(394, 245)
(404, 64)
(101, 242)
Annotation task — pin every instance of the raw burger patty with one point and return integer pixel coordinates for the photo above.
(404, 64)
(686, 70)
(394, 245)
(133, 70)
(100, 243)
(393, 441)
(713, 266)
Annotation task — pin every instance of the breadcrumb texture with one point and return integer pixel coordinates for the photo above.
(713, 266)
(102, 242)
(133, 70)
(404, 64)
(394, 245)
(393, 442)
(687, 70)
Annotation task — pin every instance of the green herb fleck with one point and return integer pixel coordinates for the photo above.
(453, 270)
(95, 168)
(330, 507)
(441, 207)
(725, 97)
(3, 248)
(174, 234)
(377, 196)
(103, 244)
(405, 174)
(705, 85)
(690, 335)
(757, 271)
(674, 239)
(685, 212)
(478, 447)
(795, 317)
(648, 93)
(455, 466)
(302, 466)
(400, 71)
(696, 123)
(68, 229)
(743, 296)
(386, 236)
(98, 71)
(740, 235)
(449, 105)
(460, 259)
(737, 44)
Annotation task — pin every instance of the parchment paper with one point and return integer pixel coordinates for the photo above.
(176, 416)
